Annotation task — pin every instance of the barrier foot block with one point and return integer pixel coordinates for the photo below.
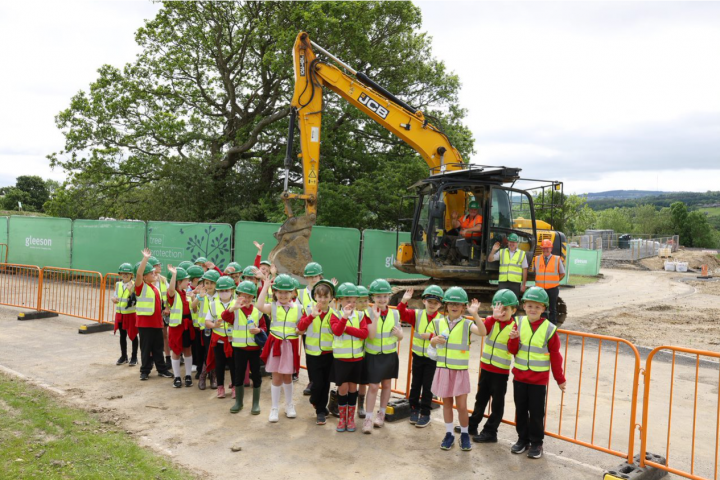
(96, 327)
(36, 315)
(397, 410)
(633, 471)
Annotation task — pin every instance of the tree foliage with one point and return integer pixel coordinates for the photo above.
(30, 190)
(195, 128)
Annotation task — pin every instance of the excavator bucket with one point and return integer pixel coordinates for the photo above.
(292, 251)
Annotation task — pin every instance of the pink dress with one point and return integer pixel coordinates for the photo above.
(449, 382)
(285, 362)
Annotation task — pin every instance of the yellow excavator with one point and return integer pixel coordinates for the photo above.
(436, 249)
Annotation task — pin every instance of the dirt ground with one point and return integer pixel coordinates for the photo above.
(695, 258)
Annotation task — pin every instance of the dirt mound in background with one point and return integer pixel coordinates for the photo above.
(708, 287)
(695, 258)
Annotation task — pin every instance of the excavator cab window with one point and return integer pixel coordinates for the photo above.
(511, 212)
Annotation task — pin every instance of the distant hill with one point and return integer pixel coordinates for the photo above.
(611, 199)
(623, 194)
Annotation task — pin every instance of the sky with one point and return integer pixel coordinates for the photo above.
(600, 95)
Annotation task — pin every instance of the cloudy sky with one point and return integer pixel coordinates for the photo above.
(600, 95)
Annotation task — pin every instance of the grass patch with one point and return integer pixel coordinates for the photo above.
(7, 213)
(42, 439)
(577, 280)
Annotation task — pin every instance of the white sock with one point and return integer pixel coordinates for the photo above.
(275, 395)
(288, 387)
(188, 365)
(369, 415)
(175, 367)
(463, 429)
(449, 427)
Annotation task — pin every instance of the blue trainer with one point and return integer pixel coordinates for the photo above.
(465, 444)
(413, 416)
(423, 421)
(448, 441)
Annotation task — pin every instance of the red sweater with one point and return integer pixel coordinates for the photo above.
(339, 326)
(150, 321)
(229, 317)
(556, 361)
(407, 315)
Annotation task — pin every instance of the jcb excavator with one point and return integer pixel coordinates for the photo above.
(435, 249)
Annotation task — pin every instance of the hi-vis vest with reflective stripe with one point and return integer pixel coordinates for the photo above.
(284, 323)
(384, 341)
(347, 346)
(203, 308)
(511, 266)
(176, 311)
(306, 300)
(241, 337)
(216, 310)
(468, 222)
(533, 353)
(419, 346)
(455, 354)
(163, 288)
(123, 295)
(495, 351)
(145, 305)
(319, 337)
(547, 275)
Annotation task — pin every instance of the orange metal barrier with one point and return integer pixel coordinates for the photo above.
(3, 252)
(705, 398)
(19, 285)
(107, 308)
(76, 293)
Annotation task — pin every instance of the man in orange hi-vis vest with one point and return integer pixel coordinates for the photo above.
(549, 270)
(470, 225)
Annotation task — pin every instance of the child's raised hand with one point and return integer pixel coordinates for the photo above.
(210, 265)
(397, 331)
(316, 310)
(514, 332)
(474, 306)
(171, 269)
(147, 253)
(562, 386)
(334, 282)
(259, 274)
(259, 246)
(200, 290)
(497, 310)
(347, 311)
(273, 269)
(408, 295)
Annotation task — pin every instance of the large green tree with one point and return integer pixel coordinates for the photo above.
(195, 128)
(30, 190)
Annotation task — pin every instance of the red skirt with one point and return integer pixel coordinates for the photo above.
(227, 348)
(175, 335)
(126, 321)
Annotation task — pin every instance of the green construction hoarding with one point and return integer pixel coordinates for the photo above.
(102, 245)
(41, 241)
(4, 230)
(581, 261)
(378, 255)
(173, 242)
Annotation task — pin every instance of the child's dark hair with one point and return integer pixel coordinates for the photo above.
(322, 289)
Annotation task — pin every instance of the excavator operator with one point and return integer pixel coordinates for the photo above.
(470, 226)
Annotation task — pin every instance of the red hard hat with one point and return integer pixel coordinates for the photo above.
(547, 243)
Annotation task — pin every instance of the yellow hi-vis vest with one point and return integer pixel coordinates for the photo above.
(420, 345)
(241, 337)
(194, 315)
(123, 295)
(216, 310)
(306, 300)
(455, 353)
(384, 341)
(319, 337)
(511, 266)
(495, 351)
(347, 346)
(284, 323)
(145, 305)
(533, 353)
(162, 288)
(176, 311)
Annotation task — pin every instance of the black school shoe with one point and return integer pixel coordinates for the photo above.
(133, 362)
(308, 389)
(485, 437)
(122, 360)
(144, 376)
(177, 383)
(188, 380)
(165, 374)
(536, 451)
(320, 419)
(519, 447)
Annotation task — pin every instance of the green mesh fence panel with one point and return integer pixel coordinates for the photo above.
(41, 241)
(102, 245)
(4, 230)
(174, 242)
(378, 256)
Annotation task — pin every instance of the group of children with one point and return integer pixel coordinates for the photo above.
(241, 319)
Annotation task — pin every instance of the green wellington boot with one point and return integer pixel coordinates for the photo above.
(239, 394)
(256, 401)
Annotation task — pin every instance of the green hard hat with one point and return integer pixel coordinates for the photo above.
(455, 295)
(249, 271)
(153, 261)
(148, 268)
(346, 289)
(380, 286)
(284, 283)
(180, 275)
(474, 204)
(362, 292)
(225, 283)
(433, 291)
(195, 271)
(125, 268)
(505, 297)
(513, 237)
(266, 262)
(247, 287)
(213, 276)
(297, 283)
(536, 294)
(312, 269)
(323, 282)
(202, 260)
(185, 264)
(236, 266)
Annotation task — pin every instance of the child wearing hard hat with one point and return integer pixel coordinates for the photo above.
(148, 312)
(450, 335)
(125, 314)
(234, 271)
(495, 366)
(315, 327)
(247, 322)
(221, 353)
(162, 285)
(205, 295)
(361, 307)
(536, 347)
(381, 359)
(181, 332)
(195, 274)
(281, 351)
(423, 367)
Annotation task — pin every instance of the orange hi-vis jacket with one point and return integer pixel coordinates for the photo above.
(467, 222)
(547, 275)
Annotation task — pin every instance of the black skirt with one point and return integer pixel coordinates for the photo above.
(382, 366)
(343, 372)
